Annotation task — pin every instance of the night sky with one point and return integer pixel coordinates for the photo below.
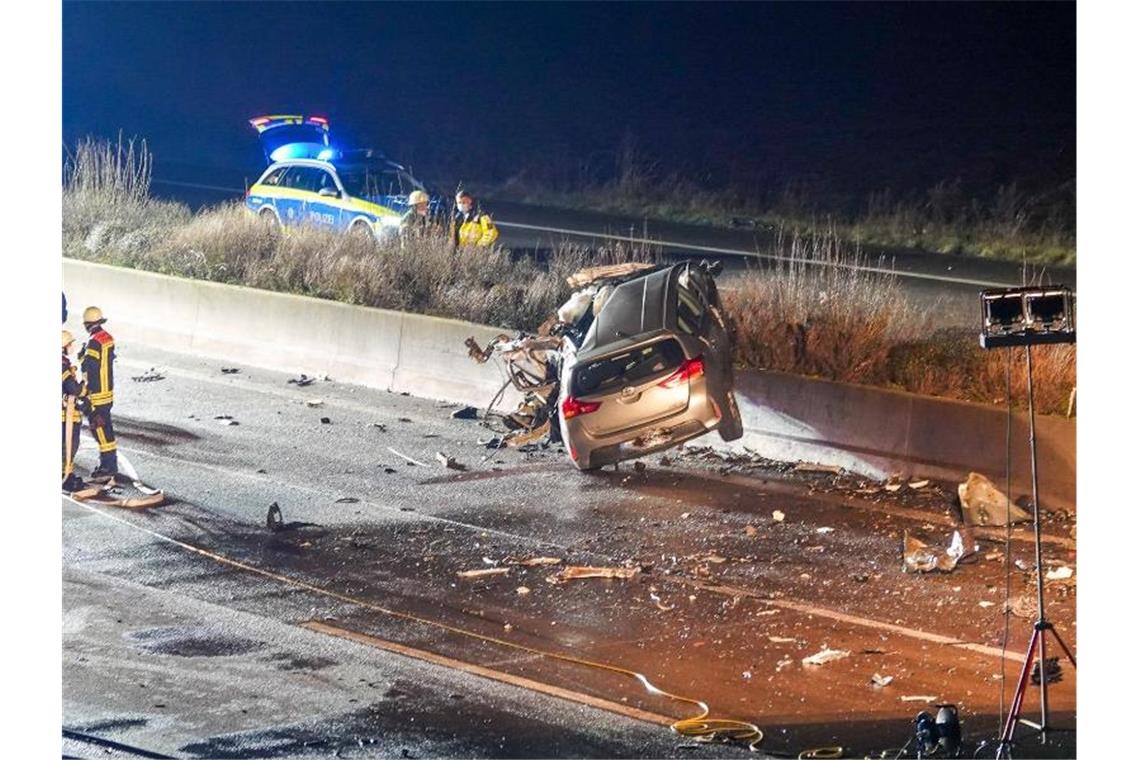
(845, 97)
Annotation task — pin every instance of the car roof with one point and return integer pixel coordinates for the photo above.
(637, 309)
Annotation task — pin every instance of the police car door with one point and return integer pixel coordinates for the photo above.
(324, 207)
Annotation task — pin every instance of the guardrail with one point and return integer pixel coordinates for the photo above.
(868, 430)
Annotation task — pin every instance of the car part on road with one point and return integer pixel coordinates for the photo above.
(407, 458)
(918, 557)
(983, 504)
(577, 572)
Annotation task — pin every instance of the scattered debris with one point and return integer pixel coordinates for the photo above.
(781, 640)
(826, 655)
(983, 504)
(1052, 671)
(494, 442)
(778, 516)
(302, 381)
(403, 419)
(908, 698)
(920, 558)
(483, 572)
(348, 500)
(465, 413)
(576, 572)
(783, 663)
(660, 604)
(639, 466)
(314, 403)
(522, 590)
(812, 467)
(917, 484)
(150, 376)
(380, 426)
(984, 604)
(880, 681)
(230, 370)
(273, 519)
(684, 515)
(326, 421)
(537, 561)
(449, 462)
(225, 419)
(750, 530)
(407, 458)
(1061, 573)
(825, 530)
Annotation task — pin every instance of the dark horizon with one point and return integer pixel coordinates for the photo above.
(837, 98)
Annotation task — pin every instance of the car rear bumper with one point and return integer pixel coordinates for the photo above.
(592, 452)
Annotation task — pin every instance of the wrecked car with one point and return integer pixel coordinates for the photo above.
(638, 360)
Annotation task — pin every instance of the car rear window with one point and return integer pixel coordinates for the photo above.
(629, 368)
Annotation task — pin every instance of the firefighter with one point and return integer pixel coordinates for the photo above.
(98, 364)
(469, 225)
(417, 218)
(73, 390)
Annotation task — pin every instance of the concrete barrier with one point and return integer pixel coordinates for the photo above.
(868, 430)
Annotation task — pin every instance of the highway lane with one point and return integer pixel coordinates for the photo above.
(726, 603)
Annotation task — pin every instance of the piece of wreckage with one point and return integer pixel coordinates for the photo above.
(636, 361)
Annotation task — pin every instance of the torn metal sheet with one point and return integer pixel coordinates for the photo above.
(584, 277)
(919, 557)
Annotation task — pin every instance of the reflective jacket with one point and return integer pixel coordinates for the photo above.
(71, 387)
(99, 368)
(473, 228)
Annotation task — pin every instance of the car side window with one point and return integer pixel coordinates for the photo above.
(303, 178)
(326, 180)
(274, 177)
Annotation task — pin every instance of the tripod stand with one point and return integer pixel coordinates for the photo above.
(1042, 626)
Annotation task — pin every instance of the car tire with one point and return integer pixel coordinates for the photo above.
(360, 231)
(731, 426)
(270, 220)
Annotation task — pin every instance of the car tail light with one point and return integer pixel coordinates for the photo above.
(691, 368)
(572, 407)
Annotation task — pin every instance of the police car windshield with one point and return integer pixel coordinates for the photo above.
(364, 180)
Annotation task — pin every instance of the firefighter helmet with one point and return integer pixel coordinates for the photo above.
(93, 315)
(68, 339)
(416, 197)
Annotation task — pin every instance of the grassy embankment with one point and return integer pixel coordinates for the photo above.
(828, 322)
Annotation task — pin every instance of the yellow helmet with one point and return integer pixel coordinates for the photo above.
(68, 339)
(92, 315)
(416, 197)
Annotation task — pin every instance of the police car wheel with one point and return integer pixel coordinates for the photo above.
(361, 232)
(270, 220)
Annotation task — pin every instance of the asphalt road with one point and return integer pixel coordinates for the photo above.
(194, 630)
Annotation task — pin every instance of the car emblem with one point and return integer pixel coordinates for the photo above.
(628, 392)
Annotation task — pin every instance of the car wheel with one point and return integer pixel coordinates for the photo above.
(270, 220)
(731, 425)
(360, 231)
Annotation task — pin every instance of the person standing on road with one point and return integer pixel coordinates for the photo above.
(98, 363)
(469, 225)
(417, 219)
(73, 392)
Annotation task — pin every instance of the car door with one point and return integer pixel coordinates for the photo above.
(323, 208)
(697, 316)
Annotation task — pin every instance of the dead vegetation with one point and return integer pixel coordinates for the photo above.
(832, 321)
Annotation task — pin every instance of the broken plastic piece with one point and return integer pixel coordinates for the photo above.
(576, 572)
(483, 572)
(448, 462)
(465, 413)
(921, 558)
(881, 681)
(777, 515)
(302, 381)
(230, 370)
(1061, 573)
(983, 504)
(826, 655)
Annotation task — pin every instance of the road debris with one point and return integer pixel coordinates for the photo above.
(918, 557)
(825, 530)
(380, 426)
(911, 698)
(781, 640)
(892, 487)
(230, 370)
(348, 500)
(407, 458)
(578, 572)
(983, 504)
(302, 381)
(750, 530)
(783, 663)
(984, 604)
(483, 572)
(812, 467)
(326, 421)
(522, 590)
(778, 516)
(150, 376)
(660, 604)
(273, 519)
(1061, 573)
(826, 655)
(465, 413)
(1052, 671)
(880, 681)
(917, 484)
(225, 419)
(313, 403)
(538, 561)
(449, 462)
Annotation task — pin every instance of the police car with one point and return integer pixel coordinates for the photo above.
(311, 182)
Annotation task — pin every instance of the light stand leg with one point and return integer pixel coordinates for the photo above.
(1041, 622)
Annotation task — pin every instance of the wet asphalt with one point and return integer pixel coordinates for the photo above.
(251, 642)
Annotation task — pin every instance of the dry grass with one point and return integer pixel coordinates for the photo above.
(830, 321)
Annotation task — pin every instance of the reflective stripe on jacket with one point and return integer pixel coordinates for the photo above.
(99, 368)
